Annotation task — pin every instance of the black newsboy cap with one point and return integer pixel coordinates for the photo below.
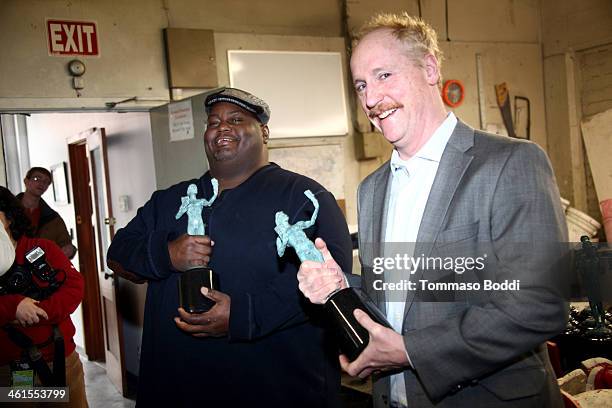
(241, 98)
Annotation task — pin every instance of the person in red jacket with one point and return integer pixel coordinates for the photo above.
(36, 318)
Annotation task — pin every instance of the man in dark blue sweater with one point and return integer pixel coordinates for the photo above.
(261, 343)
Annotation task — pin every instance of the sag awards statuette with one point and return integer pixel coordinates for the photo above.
(190, 282)
(340, 304)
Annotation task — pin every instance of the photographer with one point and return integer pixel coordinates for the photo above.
(42, 310)
(46, 222)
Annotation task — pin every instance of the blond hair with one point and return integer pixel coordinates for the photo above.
(418, 37)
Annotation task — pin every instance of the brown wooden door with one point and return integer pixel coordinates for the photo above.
(103, 229)
(85, 236)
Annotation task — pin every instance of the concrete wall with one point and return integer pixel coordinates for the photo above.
(132, 57)
(131, 61)
(506, 35)
(568, 28)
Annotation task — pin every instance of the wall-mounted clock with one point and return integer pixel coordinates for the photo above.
(76, 67)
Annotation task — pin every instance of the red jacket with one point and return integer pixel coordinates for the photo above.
(58, 306)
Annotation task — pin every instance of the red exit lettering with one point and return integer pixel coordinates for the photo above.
(72, 37)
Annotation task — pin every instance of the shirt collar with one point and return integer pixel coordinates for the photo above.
(432, 150)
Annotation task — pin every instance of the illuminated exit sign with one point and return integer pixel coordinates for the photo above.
(72, 37)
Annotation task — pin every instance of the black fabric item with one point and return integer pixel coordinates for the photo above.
(57, 378)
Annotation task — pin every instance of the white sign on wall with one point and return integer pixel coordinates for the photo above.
(180, 121)
(305, 90)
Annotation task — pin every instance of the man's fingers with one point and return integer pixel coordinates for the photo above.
(199, 252)
(197, 239)
(201, 239)
(322, 247)
(190, 328)
(199, 261)
(308, 266)
(215, 295)
(322, 279)
(344, 362)
(209, 293)
(193, 318)
(364, 320)
(42, 313)
(321, 295)
(353, 369)
(365, 373)
(314, 273)
(319, 285)
(183, 314)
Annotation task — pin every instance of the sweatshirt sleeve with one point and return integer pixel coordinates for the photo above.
(141, 248)
(67, 298)
(8, 307)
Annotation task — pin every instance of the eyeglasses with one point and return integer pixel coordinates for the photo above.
(41, 179)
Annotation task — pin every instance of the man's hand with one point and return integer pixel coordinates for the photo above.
(214, 323)
(28, 313)
(69, 250)
(188, 251)
(318, 280)
(385, 351)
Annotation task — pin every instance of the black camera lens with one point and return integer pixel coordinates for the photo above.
(18, 279)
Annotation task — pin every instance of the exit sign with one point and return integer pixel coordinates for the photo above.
(72, 37)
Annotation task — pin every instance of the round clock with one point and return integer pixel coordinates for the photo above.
(452, 93)
(76, 67)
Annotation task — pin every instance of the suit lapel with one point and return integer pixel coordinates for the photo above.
(453, 164)
(379, 212)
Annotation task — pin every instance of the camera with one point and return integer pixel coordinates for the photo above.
(25, 279)
(16, 280)
(38, 264)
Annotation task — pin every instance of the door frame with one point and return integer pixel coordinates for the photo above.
(83, 210)
(103, 221)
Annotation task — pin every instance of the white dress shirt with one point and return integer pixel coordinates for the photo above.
(411, 182)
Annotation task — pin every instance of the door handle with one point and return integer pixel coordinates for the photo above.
(108, 275)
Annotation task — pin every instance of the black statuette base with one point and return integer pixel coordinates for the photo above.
(353, 337)
(190, 282)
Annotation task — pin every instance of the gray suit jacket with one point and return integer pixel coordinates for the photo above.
(480, 350)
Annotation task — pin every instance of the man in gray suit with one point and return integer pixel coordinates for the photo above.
(448, 186)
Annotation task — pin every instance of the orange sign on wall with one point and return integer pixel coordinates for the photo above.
(72, 37)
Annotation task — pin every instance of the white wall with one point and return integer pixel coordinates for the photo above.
(130, 152)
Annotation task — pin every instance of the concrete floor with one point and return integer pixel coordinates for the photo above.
(100, 392)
